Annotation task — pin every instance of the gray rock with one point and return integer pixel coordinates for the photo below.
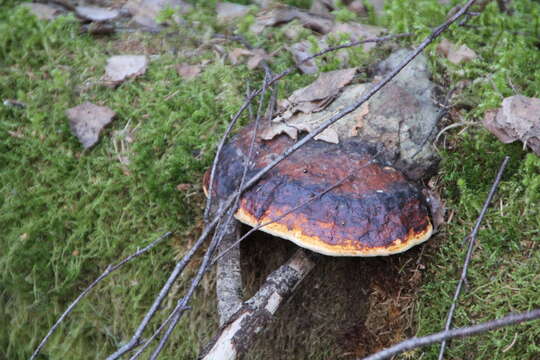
(401, 119)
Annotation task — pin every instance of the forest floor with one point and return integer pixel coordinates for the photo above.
(66, 213)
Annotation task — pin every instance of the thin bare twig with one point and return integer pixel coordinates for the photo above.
(311, 199)
(372, 91)
(275, 79)
(459, 332)
(472, 243)
(182, 304)
(179, 267)
(110, 268)
(177, 313)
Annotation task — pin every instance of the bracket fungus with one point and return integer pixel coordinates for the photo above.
(377, 209)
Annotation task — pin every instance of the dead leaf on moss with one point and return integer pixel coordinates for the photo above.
(258, 56)
(227, 12)
(300, 52)
(87, 120)
(97, 14)
(145, 12)
(358, 32)
(357, 7)
(43, 11)
(456, 54)
(517, 119)
(323, 7)
(122, 67)
(236, 54)
(183, 187)
(187, 71)
(283, 14)
(255, 56)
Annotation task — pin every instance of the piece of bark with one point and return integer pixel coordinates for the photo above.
(229, 275)
(236, 337)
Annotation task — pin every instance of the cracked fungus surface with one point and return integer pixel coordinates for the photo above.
(375, 211)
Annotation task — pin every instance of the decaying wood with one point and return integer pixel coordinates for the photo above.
(236, 337)
(229, 275)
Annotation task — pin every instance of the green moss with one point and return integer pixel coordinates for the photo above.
(66, 213)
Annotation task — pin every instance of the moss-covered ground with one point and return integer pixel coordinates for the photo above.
(66, 213)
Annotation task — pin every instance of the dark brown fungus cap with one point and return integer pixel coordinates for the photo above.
(375, 212)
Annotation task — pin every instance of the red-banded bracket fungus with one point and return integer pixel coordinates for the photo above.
(377, 153)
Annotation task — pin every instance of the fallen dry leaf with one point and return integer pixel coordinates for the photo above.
(316, 96)
(236, 54)
(283, 128)
(517, 119)
(283, 14)
(87, 120)
(228, 12)
(122, 67)
(187, 71)
(43, 11)
(326, 85)
(328, 135)
(322, 7)
(357, 7)
(357, 32)
(144, 12)
(300, 52)
(98, 14)
(183, 187)
(258, 55)
(454, 54)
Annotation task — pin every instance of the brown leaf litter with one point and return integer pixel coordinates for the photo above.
(518, 118)
(284, 14)
(454, 53)
(227, 12)
(87, 120)
(145, 12)
(402, 117)
(122, 67)
(254, 57)
(188, 72)
(96, 14)
(312, 98)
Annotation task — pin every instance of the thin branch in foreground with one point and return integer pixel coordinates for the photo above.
(218, 237)
(110, 268)
(459, 332)
(181, 306)
(472, 243)
(179, 267)
(236, 336)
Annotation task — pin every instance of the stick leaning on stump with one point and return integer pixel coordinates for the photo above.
(237, 335)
